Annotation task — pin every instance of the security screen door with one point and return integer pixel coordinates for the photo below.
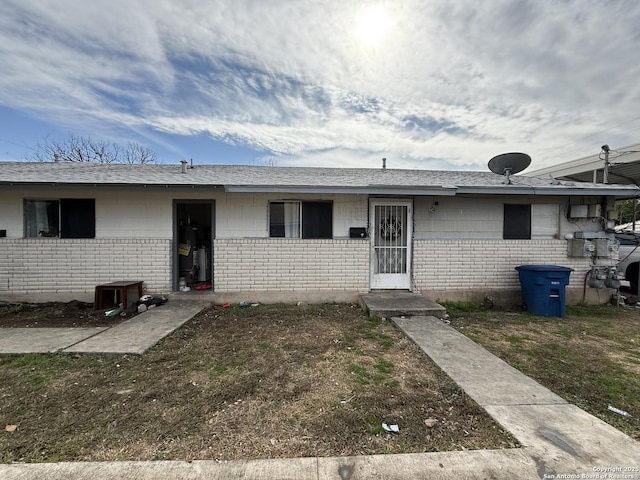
(391, 234)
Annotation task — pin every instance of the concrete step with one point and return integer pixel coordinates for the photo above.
(393, 303)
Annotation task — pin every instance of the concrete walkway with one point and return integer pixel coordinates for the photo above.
(141, 332)
(134, 336)
(559, 439)
(43, 340)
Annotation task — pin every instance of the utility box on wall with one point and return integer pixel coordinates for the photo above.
(586, 211)
(357, 232)
(579, 211)
(606, 248)
(579, 247)
(599, 244)
(594, 211)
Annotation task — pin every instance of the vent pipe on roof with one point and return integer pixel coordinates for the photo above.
(605, 171)
(184, 166)
(384, 163)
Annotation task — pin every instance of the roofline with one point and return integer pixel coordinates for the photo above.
(617, 192)
(373, 190)
(630, 191)
(160, 186)
(622, 191)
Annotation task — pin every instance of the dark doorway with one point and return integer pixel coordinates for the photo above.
(193, 245)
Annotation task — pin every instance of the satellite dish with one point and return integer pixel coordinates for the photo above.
(508, 164)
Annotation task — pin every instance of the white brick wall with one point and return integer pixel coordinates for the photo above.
(278, 264)
(486, 264)
(53, 265)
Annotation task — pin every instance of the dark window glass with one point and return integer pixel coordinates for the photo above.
(78, 217)
(317, 220)
(276, 219)
(517, 222)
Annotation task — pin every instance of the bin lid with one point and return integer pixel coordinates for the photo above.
(544, 268)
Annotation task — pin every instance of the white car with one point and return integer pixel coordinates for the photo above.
(630, 257)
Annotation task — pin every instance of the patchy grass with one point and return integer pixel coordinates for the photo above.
(591, 357)
(263, 382)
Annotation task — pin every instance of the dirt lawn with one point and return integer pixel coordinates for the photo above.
(55, 314)
(262, 382)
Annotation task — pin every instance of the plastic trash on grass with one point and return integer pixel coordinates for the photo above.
(618, 411)
(391, 428)
(115, 312)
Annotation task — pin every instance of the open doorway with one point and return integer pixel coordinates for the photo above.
(193, 245)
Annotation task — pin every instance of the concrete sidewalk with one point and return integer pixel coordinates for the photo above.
(559, 440)
(473, 465)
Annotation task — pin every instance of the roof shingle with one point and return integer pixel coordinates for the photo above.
(261, 178)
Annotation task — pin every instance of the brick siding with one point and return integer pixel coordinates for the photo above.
(51, 266)
(486, 264)
(54, 265)
(279, 264)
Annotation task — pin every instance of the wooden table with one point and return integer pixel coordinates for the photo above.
(119, 291)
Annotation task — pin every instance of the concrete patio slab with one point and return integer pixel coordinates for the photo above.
(43, 340)
(395, 303)
(141, 332)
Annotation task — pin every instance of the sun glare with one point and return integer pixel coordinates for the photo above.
(372, 26)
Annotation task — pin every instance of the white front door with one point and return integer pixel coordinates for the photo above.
(391, 233)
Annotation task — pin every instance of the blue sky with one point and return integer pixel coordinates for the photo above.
(426, 84)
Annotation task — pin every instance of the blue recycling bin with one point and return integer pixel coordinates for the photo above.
(543, 288)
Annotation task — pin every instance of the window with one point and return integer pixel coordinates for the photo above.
(545, 221)
(301, 219)
(530, 221)
(42, 218)
(317, 220)
(517, 222)
(64, 218)
(284, 219)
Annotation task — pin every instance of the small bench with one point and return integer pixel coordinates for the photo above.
(119, 290)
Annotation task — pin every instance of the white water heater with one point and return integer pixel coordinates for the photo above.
(203, 264)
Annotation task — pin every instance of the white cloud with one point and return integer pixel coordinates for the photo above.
(450, 83)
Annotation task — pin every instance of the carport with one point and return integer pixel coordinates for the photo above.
(621, 165)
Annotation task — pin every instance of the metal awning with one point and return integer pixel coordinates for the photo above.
(624, 168)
